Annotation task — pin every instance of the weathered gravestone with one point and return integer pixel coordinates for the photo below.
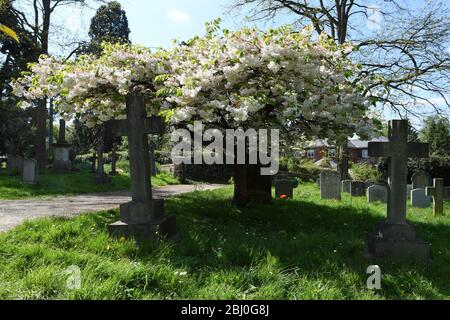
(143, 218)
(153, 168)
(437, 192)
(346, 186)
(377, 193)
(113, 161)
(94, 163)
(419, 199)
(284, 188)
(30, 172)
(61, 151)
(100, 176)
(421, 180)
(358, 189)
(330, 185)
(395, 237)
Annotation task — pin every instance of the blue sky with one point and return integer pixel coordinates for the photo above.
(155, 23)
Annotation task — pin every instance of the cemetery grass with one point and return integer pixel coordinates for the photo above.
(52, 184)
(304, 248)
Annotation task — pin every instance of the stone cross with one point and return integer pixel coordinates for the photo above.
(143, 217)
(437, 192)
(62, 132)
(395, 238)
(398, 150)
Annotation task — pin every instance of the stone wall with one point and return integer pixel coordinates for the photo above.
(219, 173)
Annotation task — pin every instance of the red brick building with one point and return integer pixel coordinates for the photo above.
(358, 150)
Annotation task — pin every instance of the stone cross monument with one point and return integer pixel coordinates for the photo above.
(395, 237)
(437, 192)
(144, 217)
(61, 151)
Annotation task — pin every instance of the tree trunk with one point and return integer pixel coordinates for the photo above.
(250, 186)
(41, 134)
(50, 127)
(343, 165)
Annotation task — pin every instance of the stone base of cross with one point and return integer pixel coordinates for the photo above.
(144, 217)
(396, 238)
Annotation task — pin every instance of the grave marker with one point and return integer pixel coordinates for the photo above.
(61, 151)
(143, 218)
(330, 185)
(421, 180)
(284, 187)
(437, 192)
(419, 199)
(346, 186)
(30, 172)
(377, 193)
(358, 189)
(395, 237)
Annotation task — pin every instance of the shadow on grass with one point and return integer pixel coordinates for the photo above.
(287, 250)
(311, 239)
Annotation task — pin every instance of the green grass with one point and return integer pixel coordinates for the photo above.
(300, 249)
(51, 184)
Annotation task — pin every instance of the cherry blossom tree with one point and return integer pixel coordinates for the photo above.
(282, 79)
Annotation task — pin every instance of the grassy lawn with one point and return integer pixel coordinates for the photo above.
(51, 184)
(300, 249)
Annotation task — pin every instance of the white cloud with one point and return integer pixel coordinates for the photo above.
(178, 16)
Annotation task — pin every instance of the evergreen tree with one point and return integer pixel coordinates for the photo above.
(436, 132)
(110, 24)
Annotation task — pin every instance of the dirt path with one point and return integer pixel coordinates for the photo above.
(15, 212)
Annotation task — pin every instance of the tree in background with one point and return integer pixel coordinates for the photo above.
(436, 132)
(35, 17)
(110, 24)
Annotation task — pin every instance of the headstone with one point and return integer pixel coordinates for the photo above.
(284, 188)
(61, 151)
(30, 172)
(153, 168)
(358, 189)
(318, 182)
(330, 185)
(395, 237)
(419, 199)
(346, 186)
(437, 192)
(113, 161)
(377, 193)
(94, 163)
(100, 176)
(421, 180)
(143, 218)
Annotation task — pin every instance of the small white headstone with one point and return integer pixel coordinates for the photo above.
(419, 199)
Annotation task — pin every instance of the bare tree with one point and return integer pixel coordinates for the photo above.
(36, 17)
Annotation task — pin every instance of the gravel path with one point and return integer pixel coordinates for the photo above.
(15, 212)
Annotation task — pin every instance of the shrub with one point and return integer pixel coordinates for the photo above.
(365, 172)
